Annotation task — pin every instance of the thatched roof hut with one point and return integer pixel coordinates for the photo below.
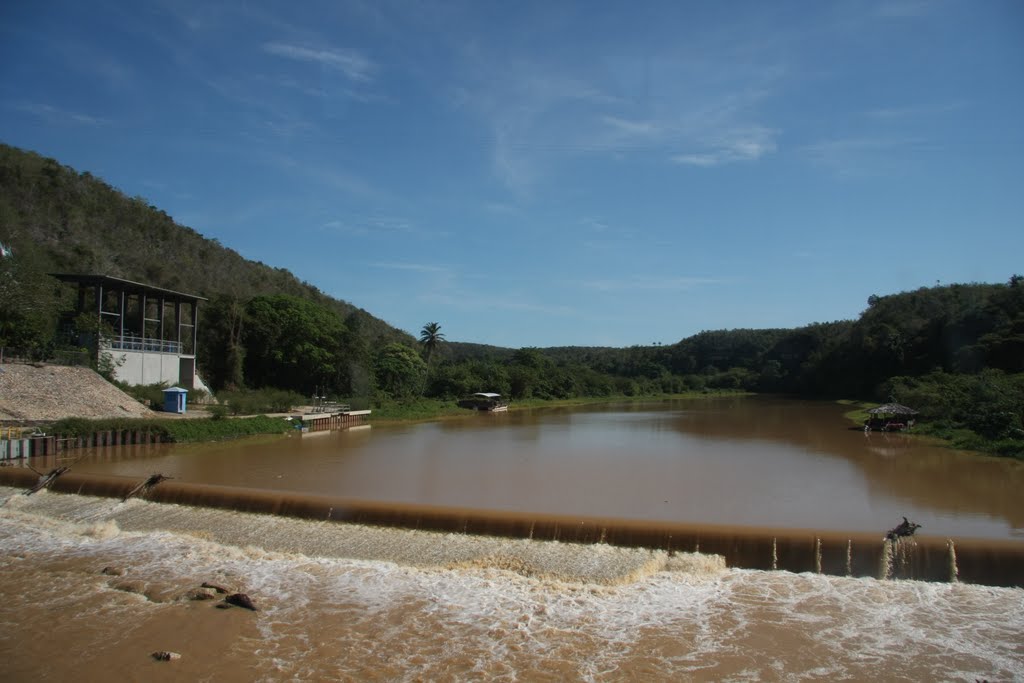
(892, 409)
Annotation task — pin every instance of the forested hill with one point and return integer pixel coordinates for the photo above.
(68, 221)
(954, 352)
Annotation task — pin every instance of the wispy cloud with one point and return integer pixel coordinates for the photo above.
(414, 267)
(527, 109)
(858, 155)
(383, 226)
(701, 107)
(596, 225)
(167, 190)
(648, 283)
(95, 62)
(60, 116)
(353, 63)
(434, 283)
(599, 234)
(330, 176)
(502, 208)
(258, 114)
(441, 285)
(475, 300)
(740, 145)
(913, 111)
(634, 128)
(904, 8)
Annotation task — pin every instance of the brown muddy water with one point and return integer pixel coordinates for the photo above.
(783, 481)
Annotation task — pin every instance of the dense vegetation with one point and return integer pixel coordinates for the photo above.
(955, 352)
(56, 219)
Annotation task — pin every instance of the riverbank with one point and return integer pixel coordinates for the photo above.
(948, 436)
(171, 428)
(426, 410)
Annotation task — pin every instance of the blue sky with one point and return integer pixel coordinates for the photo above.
(552, 173)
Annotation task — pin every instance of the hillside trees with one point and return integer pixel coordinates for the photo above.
(954, 328)
(262, 326)
(221, 352)
(28, 304)
(284, 342)
(1002, 344)
(453, 380)
(78, 223)
(291, 343)
(989, 404)
(357, 357)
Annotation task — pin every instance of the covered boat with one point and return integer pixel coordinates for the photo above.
(489, 402)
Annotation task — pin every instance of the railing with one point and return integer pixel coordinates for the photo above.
(133, 343)
(332, 408)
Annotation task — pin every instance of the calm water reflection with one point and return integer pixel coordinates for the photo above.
(742, 461)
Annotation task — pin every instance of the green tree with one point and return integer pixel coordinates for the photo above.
(221, 351)
(401, 372)
(292, 343)
(27, 303)
(529, 372)
(431, 338)
(450, 380)
(357, 363)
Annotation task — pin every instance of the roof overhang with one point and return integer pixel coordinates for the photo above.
(130, 286)
(892, 409)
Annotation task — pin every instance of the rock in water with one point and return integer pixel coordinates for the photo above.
(240, 600)
(902, 530)
(219, 589)
(200, 594)
(165, 656)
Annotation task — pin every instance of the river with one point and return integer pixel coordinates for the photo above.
(355, 602)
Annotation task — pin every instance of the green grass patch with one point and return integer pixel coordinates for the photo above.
(966, 440)
(858, 412)
(175, 430)
(254, 402)
(215, 429)
(415, 411)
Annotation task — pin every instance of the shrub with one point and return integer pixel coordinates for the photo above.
(260, 401)
(150, 395)
(176, 430)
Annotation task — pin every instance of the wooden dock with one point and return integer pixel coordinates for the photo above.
(21, 445)
(320, 421)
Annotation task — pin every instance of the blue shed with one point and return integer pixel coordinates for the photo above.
(174, 400)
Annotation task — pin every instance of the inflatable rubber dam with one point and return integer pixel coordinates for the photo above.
(988, 562)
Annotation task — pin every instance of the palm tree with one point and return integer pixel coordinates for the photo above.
(430, 338)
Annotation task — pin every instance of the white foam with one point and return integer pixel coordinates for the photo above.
(478, 621)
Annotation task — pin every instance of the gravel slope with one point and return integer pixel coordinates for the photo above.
(53, 392)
